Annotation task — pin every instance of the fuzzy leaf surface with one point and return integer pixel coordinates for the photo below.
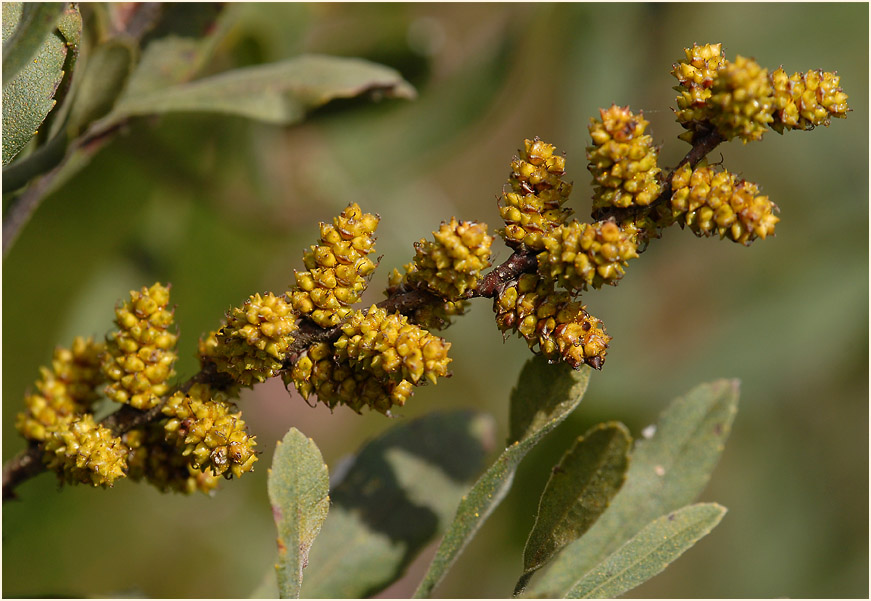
(104, 77)
(298, 488)
(544, 396)
(397, 496)
(649, 552)
(29, 95)
(281, 92)
(668, 471)
(178, 57)
(579, 490)
(25, 28)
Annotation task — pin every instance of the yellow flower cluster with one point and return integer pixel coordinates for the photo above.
(534, 204)
(252, 346)
(390, 347)
(623, 161)
(743, 100)
(740, 99)
(66, 389)
(86, 452)
(560, 327)
(158, 462)
(338, 268)
(341, 383)
(696, 76)
(209, 433)
(139, 356)
(454, 262)
(806, 100)
(709, 201)
(579, 255)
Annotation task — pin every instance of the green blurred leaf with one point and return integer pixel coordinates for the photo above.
(298, 491)
(398, 495)
(29, 96)
(544, 396)
(106, 72)
(31, 23)
(180, 47)
(649, 552)
(668, 471)
(280, 93)
(70, 25)
(70, 28)
(579, 490)
(165, 62)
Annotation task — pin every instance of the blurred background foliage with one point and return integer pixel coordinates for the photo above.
(223, 207)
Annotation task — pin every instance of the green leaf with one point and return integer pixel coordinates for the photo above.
(103, 80)
(668, 471)
(544, 396)
(398, 495)
(281, 92)
(25, 28)
(29, 96)
(183, 52)
(579, 490)
(298, 491)
(165, 62)
(649, 552)
(69, 26)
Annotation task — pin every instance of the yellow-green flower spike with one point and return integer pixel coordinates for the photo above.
(335, 383)
(742, 100)
(710, 201)
(139, 358)
(162, 465)
(696, 75)
(560, 328)
(623, 161)
(66, 389)
(534, 204)
(252, 346)
(83, 451)
(209, 433)
(806, 100)
(454, 262)
(581, 255)
(338, 268)
(389, 345)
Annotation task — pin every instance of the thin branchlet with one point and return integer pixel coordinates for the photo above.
(28, 464)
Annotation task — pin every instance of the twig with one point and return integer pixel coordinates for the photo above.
(27, 464)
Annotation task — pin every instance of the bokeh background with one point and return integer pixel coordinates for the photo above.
(222, 207)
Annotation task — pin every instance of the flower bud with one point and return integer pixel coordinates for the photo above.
(82, 451)
(253, 344)
(534, 203)
(742, 100)
(343, 382)
(806, 100)
(454, 262)
(623, 161)
(581, 255)
(142, 341)
(560, 328)
(709, 201)
(338, 268)
(208, 432)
